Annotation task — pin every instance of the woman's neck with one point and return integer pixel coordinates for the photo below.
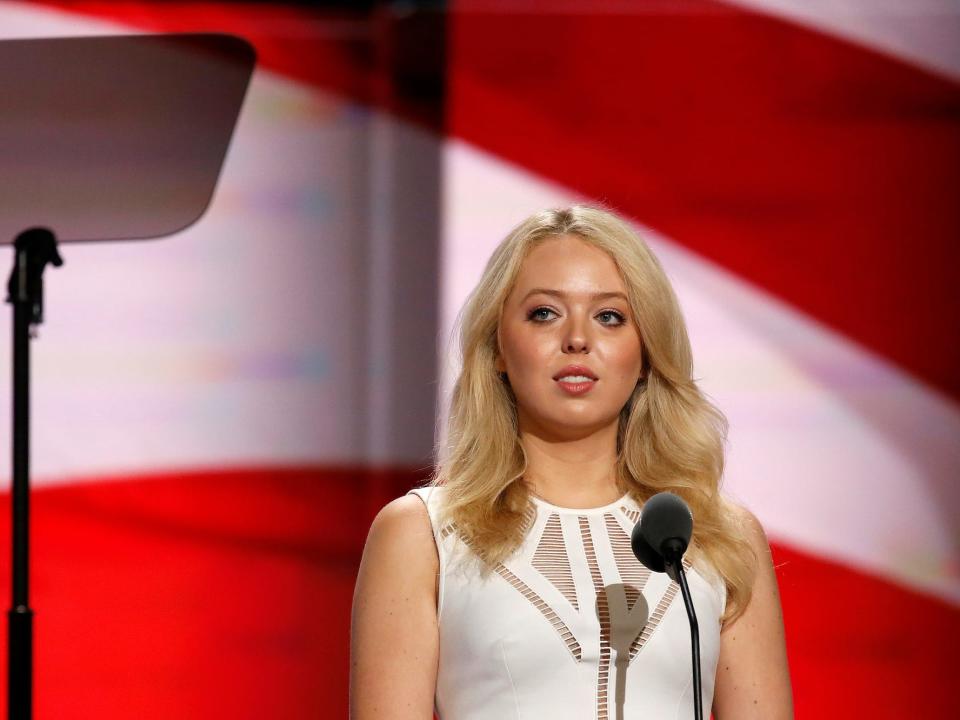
(573, 473)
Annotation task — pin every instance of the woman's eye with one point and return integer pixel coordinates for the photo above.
(539, 314)
(611, 317)
(607, 317)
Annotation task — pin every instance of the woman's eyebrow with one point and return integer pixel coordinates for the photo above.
(561, 294)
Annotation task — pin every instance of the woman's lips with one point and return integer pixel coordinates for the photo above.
(576, 388)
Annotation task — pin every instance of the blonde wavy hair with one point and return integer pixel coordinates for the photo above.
(670, 436)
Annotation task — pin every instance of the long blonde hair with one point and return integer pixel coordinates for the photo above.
(670, 436)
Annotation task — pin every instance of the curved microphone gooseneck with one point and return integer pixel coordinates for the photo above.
(659, 541)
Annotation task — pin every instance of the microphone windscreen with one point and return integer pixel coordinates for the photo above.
(649, 557)
(666, 516)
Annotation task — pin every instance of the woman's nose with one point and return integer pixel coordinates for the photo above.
(575, 336)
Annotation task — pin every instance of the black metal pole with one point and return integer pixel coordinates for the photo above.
(695, 643)
(20, 675)
(673, 561)
(34, 249)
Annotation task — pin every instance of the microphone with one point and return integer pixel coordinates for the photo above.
(659, 541)
(661, 537)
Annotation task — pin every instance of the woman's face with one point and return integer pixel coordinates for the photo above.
(569, 308)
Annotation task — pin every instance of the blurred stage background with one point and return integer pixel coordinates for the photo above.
(218, 415)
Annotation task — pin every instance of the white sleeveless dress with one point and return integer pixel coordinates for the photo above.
(572, 626)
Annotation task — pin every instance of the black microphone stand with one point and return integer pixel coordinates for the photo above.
(34, 248)
(673, 550)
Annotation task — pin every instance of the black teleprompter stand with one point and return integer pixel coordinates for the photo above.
(34, 249)
(104, 138)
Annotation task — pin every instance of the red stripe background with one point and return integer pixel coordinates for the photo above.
(821, 171)
(227, 594)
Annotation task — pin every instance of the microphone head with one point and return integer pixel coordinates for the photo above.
(649, 557)
(663, 517)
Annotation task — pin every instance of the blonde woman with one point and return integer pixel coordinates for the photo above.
(506, 588)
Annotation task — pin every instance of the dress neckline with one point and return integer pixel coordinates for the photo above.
(623, 500)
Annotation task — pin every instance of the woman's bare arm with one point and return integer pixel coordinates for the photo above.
(394, 642)
(753, 680)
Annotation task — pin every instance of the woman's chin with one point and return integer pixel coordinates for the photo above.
(573, 425)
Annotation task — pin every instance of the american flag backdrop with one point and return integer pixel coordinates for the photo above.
(218, 415)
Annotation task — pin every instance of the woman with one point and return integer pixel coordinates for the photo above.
(506, 589)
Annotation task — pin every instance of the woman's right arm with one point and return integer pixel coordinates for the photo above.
(394, 639)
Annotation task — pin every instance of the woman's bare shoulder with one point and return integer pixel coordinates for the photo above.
(402, 531)
(406, 508)
(407, 513)
(751, 527)
(753, 646)
(394, 636)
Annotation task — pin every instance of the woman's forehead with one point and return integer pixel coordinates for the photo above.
(568, 267)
